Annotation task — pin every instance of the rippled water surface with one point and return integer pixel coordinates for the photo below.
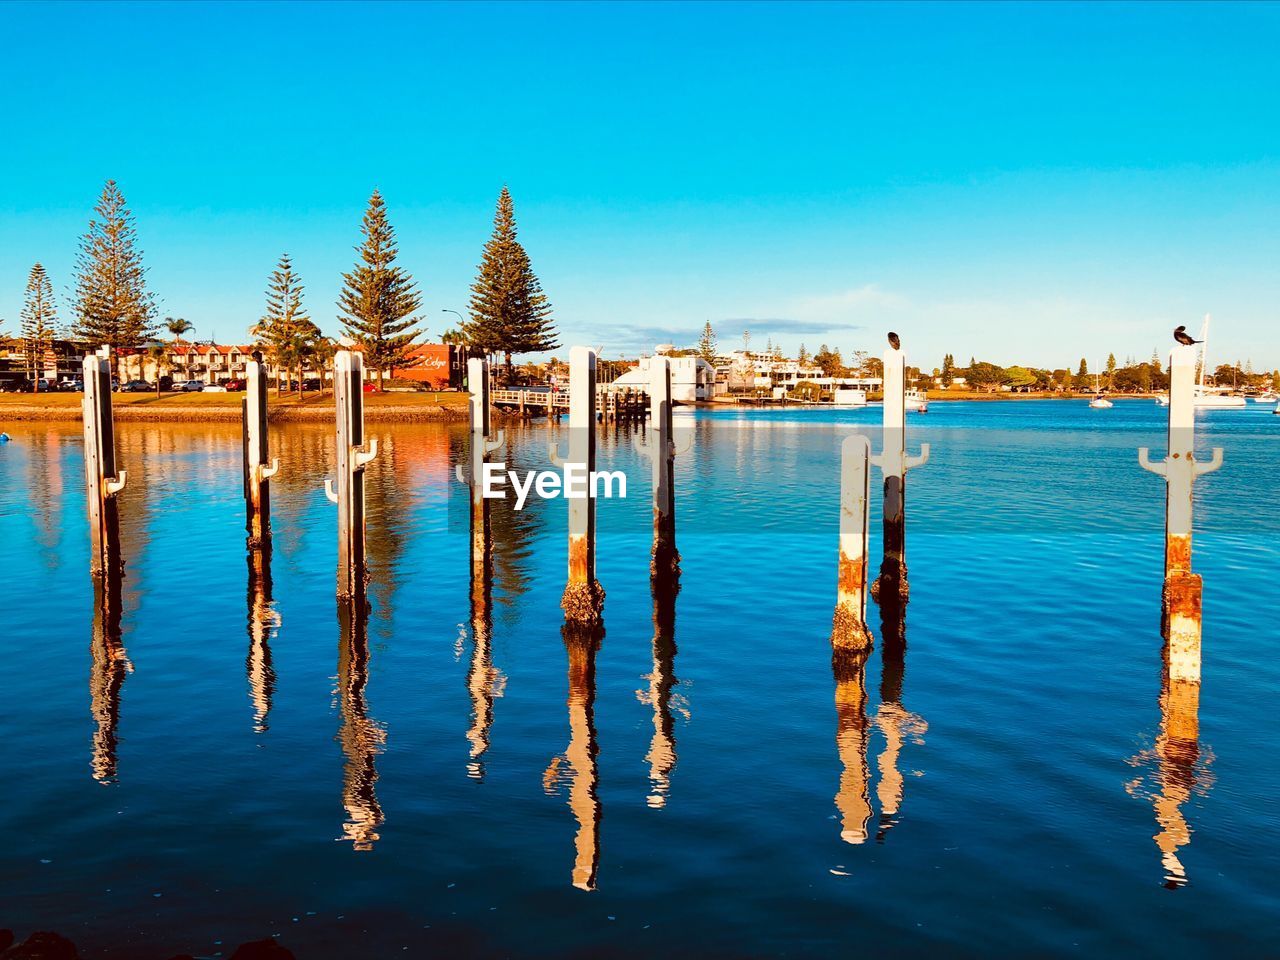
(1016, 778)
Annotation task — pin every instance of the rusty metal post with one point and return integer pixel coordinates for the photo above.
(583, 598)
(352, 458)
(259, 467)
(1181, 607)
(102, 481)
(849, 634)
(891, 586)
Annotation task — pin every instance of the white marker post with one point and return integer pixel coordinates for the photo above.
(849, 633)
(583, 598)
(102, 482)
(352, 458)
(257, 472)
(891, 586)
(1181, 619)
(661, 448)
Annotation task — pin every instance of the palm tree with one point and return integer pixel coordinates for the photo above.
(160, 357)
(177, 326)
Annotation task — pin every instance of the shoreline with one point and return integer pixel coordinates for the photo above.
(225, 408)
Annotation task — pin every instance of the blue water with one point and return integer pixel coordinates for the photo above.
(1012, 782)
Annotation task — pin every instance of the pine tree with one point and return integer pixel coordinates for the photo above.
(378, 299)
(39, 320)
(707, 344)
(948, 372)
(111, 303)
(802, 357)
(287, 334)
(509, 312)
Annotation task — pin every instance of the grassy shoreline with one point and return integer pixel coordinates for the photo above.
(225, 407)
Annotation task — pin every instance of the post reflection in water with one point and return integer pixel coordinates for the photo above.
(361, 736)
(577, 765)
(107, 673)
(895, 722)
(1176, 768)
(485, 682)
(263, 621)
(853, 800)
(661, 696)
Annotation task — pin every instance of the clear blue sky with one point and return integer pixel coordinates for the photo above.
(1022, 183)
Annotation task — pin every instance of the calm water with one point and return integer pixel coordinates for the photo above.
(1013, 781)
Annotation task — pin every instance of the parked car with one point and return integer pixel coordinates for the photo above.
(70, 384)
(234, 384)
(15, 385)
(45, 385)
(214, 388)
(192, 386)
(313, 383)
(370, 387)
(166, 384)
(137, 386)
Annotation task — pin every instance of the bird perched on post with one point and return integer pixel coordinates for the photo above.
(895, 341)
(1180, 334)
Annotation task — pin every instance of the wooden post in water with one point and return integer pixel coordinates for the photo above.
(850, 637)
(891, 586)
(481, 447)
(583, 598)
(257, 473)
(1181, 607)
(102, 481)
(352, 458)
(665, 563)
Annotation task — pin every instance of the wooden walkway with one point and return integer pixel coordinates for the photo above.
(612, 404)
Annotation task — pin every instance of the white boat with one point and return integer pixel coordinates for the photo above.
(1214, 397)
(1162, 399)
(916, 401)
(1267, 397)
(849, 397)
(1100, 402)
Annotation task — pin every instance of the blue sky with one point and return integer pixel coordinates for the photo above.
(1021, 183)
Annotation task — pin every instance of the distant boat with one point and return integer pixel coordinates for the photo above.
(916, 400)
(1215, 397)
(1100, 402)
(1268, 397)
(1162, 399)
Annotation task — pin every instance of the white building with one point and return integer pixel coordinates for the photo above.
(692, 378)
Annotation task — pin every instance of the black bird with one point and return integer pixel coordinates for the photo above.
(895, 341)
(1180, 334)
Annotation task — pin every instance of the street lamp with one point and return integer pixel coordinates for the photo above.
(461, 319)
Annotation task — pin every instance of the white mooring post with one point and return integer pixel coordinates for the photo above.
(259, 468)
(352, 458)
(102, 482)
(583, 597)
(1180, 622)
(661, 448)
(473, 475)
(891, 586)
(849, 633)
